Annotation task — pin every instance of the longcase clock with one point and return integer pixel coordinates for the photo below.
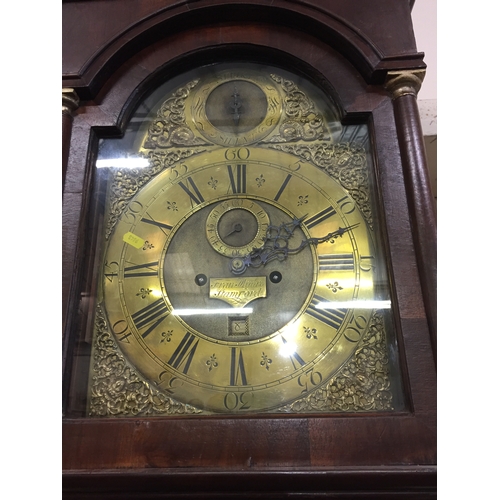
(249, 262)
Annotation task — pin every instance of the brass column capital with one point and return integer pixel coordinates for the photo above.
(400, 83)
(70, 101)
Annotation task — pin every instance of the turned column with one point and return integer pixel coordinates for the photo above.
(404, 87)
(70, 103)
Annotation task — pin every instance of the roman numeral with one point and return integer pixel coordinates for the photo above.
(196, 196)
(161, 225)
(294, 356)
(133, 271)
(330, 317)
(183, 355)
(319, 217)
(150, 316)
(238, 182)
(336, 262)
(237, 372)
(282, 188)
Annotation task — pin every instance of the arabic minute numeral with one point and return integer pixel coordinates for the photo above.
(355, 329)
(347, 207)
(237, 154)
(121, 330)
(113, 270)
(366, 263)
(309, 378)
(237, 401)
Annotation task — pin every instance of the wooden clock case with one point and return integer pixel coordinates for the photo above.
(364, 54)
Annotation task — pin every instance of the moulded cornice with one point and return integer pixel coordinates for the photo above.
(301, 15)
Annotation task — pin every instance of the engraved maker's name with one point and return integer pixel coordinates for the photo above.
(238, 292)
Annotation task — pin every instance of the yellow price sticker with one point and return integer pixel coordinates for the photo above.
(133, 240)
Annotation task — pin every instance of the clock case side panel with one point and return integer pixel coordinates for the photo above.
(415, 343)
(138, 443)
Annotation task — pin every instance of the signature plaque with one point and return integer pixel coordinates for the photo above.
(238, 292)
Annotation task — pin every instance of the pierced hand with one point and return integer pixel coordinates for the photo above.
(276, 245)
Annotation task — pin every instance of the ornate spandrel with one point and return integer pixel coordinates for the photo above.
(117, 389)
(301, 120)
(169, 128)
(127, 182)
(362, 384)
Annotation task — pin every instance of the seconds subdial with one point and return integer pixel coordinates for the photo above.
(236, 226)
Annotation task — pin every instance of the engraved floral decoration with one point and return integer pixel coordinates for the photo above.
(143, 292)
(303, 200)
(266, 361)
(166, 336)
(212, 362)
(117, 389)
(170, 127)
(148, 245)
(310, 333)
(213, 183)
(362, 383)
(172, 206)
(260, 180)
(334, 287)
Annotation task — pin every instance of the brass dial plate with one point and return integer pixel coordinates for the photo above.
(287, 342)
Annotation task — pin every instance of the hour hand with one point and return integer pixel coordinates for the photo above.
(276, 246)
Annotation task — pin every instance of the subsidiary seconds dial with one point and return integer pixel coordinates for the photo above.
(236, 226)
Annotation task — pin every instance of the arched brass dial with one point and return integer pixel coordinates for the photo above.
(241, 272)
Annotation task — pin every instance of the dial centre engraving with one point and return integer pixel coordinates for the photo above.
(189, 255)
